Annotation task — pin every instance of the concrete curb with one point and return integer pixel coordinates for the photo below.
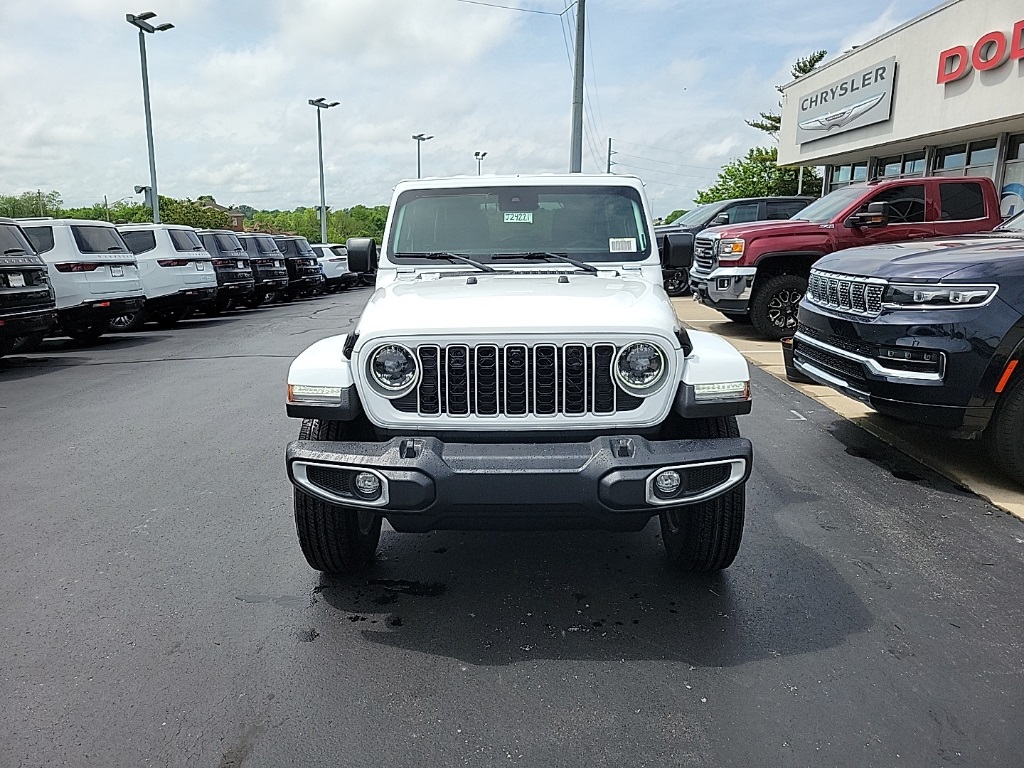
(964, 462)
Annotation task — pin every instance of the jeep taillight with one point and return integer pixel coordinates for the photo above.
(173, 262)
(77, 267)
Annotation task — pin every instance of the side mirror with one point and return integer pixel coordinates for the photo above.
(877, 215)
(677, 251)
(722, 218)
(362, 254)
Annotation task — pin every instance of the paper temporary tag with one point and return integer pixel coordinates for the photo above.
(622, 244)
(519, 217)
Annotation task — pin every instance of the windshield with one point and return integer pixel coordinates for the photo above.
(268, 245)
(227, 243)
(1016, 224)
(698, 215)
(96, 239)
(823, 210)
(595, 223)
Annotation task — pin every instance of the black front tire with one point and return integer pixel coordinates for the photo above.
(773, 309)
(706, 536)
(1003, 434)
(7, 345)
(334, 539)
(254, 300)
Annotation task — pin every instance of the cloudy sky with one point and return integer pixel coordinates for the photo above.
(670, 81)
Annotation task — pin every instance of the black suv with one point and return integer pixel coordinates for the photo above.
(675, 261)
(235, 281)
(304, 273)
(268, 270)
(929, 331)
(27, 307)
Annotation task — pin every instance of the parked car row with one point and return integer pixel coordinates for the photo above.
(83, 278)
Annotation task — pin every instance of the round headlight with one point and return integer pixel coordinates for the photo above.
(640, 365)
(393, 367)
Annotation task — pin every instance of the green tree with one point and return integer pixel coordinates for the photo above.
(758, 175)
(674, 215)
(771, 122)
(192, 213)
(36, 203)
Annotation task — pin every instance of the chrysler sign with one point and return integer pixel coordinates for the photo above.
(863, 98)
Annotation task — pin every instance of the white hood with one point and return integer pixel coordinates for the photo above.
(501, 304)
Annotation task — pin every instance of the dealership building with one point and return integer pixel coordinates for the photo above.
(942, 95)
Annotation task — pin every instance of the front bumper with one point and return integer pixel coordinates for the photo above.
(956, 392)
(604, 484)
(727, 289)
(24, 323)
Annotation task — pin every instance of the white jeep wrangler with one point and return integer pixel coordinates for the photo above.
(518, 367)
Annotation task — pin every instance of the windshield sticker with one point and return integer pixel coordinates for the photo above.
(519, 217)
(622, 244)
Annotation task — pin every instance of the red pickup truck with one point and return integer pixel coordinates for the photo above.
(758, 272)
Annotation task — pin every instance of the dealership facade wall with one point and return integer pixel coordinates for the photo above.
(941, 95)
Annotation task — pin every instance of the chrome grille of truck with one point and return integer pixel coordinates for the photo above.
(516, 380)
(856, 295)
(704, 253)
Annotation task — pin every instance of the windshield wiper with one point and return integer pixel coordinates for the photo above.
(444, 255)
(539, 255)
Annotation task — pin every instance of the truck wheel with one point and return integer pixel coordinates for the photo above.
(334, 539)
(773, 308)
(7, 345)
(677, 282)
(1003, 434)
(706, 536)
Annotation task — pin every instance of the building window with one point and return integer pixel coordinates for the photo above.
(911, 164)
(1013, 177)
(843, 175)
(978, 158)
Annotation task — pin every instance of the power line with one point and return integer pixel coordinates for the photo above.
(666, 162)
(510, 8)
(659, 149)
(667, 173)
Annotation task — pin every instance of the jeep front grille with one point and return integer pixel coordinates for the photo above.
(856, 295)
(516, 380)
(704, 253)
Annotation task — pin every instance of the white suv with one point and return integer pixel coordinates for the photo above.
(519, 366)
(94, 275)
(177, 272)
(333, 259)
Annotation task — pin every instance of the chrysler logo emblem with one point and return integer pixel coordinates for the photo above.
(841, 117)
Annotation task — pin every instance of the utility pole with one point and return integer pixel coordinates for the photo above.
(800, 181)
(576, 148)
(609, 154)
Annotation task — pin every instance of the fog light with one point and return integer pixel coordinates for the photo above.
(667, 482)
(367, 485)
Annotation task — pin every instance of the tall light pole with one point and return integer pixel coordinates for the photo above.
(321, 104)
(479, 156)
(576, 147)
(142, 23)
(420, 138)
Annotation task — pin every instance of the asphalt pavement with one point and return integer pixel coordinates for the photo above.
(155, 608)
